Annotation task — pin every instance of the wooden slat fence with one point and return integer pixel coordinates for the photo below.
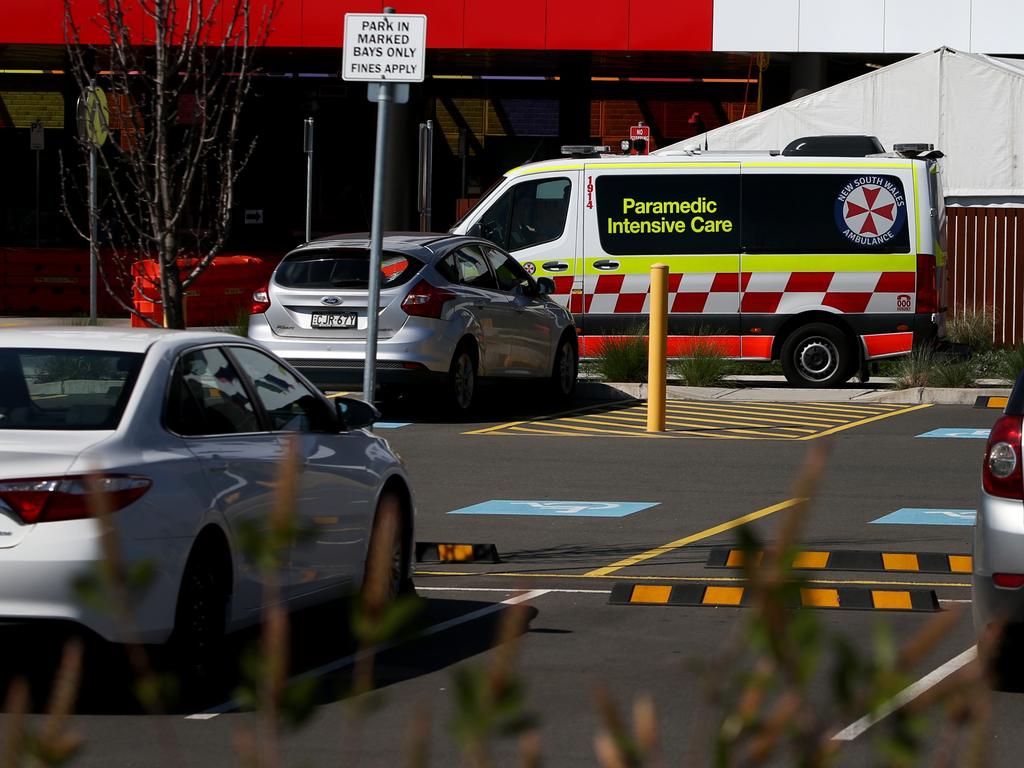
(985, 270)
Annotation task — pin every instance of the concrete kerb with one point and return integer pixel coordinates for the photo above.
(595, 390)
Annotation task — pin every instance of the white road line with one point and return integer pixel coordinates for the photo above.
(907, 695)
(334, 666)
(506, 589)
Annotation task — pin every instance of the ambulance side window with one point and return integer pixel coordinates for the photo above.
(531, 213)
(824, 213)
(680, 213)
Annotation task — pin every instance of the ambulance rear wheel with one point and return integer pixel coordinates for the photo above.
(817, 355)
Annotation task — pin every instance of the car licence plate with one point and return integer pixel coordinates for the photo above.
(334, 320)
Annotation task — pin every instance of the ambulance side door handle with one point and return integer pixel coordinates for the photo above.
(555, 266)
(606, 264)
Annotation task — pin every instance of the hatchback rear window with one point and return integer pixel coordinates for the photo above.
(348, 268)
(65, 388)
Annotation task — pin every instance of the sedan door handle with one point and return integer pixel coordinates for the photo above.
(606, 264)
(554, 266)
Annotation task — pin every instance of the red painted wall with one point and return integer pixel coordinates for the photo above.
(610, 25)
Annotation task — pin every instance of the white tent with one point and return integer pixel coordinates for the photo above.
(968, 105)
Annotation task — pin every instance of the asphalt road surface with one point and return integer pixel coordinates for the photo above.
(563, 546)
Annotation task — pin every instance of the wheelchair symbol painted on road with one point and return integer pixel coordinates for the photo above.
(554, 508)
(917, 516)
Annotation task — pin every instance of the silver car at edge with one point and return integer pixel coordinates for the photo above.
(182, 437)
(998, 565)
(453, 309)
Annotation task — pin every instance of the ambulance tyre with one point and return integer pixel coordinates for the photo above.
(817, 355)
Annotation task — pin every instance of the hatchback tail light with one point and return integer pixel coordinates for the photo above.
(260, 300)
(1001, 473)
(1008, 580)
(927, 292)
(426, 300)
(48, 499)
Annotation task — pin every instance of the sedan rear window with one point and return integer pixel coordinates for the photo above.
(65, 388)
(348, 268)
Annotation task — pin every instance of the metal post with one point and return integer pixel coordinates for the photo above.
(307, 141)
(93, 233)
(384, 100)
(658, 349)
(426, 174)
(37, 197)
(463, 152)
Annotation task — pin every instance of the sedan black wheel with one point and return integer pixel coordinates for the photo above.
(566, 370)
(384, 575)
(197, 642)
(817, 355)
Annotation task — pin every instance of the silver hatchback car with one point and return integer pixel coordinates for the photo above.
(998, 578)
(452, 309)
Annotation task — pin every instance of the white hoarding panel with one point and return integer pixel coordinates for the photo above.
(756, 25)
(838, 26)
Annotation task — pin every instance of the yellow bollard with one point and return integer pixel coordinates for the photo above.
(658, 349)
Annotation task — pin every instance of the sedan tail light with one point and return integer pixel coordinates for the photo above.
(426, 300)
(1001, 473)
(48, 499)
(260, 300)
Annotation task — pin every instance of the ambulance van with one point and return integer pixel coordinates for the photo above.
(823, 262)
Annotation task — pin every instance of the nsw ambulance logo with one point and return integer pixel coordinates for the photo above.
(871, 210)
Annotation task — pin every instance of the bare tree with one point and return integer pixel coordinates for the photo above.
(177, 73)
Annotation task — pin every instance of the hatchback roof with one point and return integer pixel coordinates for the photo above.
(416, 243)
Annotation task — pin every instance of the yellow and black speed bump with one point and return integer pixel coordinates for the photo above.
(988, 401)
(711, 595)
(853, 560)
(435, 552)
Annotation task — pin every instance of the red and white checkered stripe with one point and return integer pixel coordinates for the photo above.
(757, 293)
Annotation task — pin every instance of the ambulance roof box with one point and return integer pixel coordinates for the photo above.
(845, 145)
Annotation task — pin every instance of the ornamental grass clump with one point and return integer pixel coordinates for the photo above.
(624, 358)
(704, 366)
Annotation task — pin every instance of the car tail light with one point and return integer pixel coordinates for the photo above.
(1001, 473)
(426, 300)
(1008, 580)
(927, 293)
(48, 499)
(260, 300)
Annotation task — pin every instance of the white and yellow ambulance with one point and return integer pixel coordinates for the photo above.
(822, 262)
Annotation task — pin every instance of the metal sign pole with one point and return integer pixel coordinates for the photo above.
(308, 147)
(426, 174)
(384, 100)
(93, 240)
(37, 198)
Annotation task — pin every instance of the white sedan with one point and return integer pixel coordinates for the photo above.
(184, 435)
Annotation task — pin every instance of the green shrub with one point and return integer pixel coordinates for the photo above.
(951, 373)
(624, 358)
(703, 367)
(1012, 363)
(915, 369)
(972, 328)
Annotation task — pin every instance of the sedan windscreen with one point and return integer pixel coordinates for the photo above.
(65, 388)
(344, 268)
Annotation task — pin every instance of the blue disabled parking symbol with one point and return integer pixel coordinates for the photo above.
(959, 432)
(918, 516)
(552, 508)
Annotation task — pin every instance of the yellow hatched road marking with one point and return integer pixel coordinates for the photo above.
(575, 431)
(570, 412)
(707, 533)
(823, 409)
(853, 424)
(764, 416)
(640, 417)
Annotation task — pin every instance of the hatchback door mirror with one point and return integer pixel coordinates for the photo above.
(545, 285)
(355, 414)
